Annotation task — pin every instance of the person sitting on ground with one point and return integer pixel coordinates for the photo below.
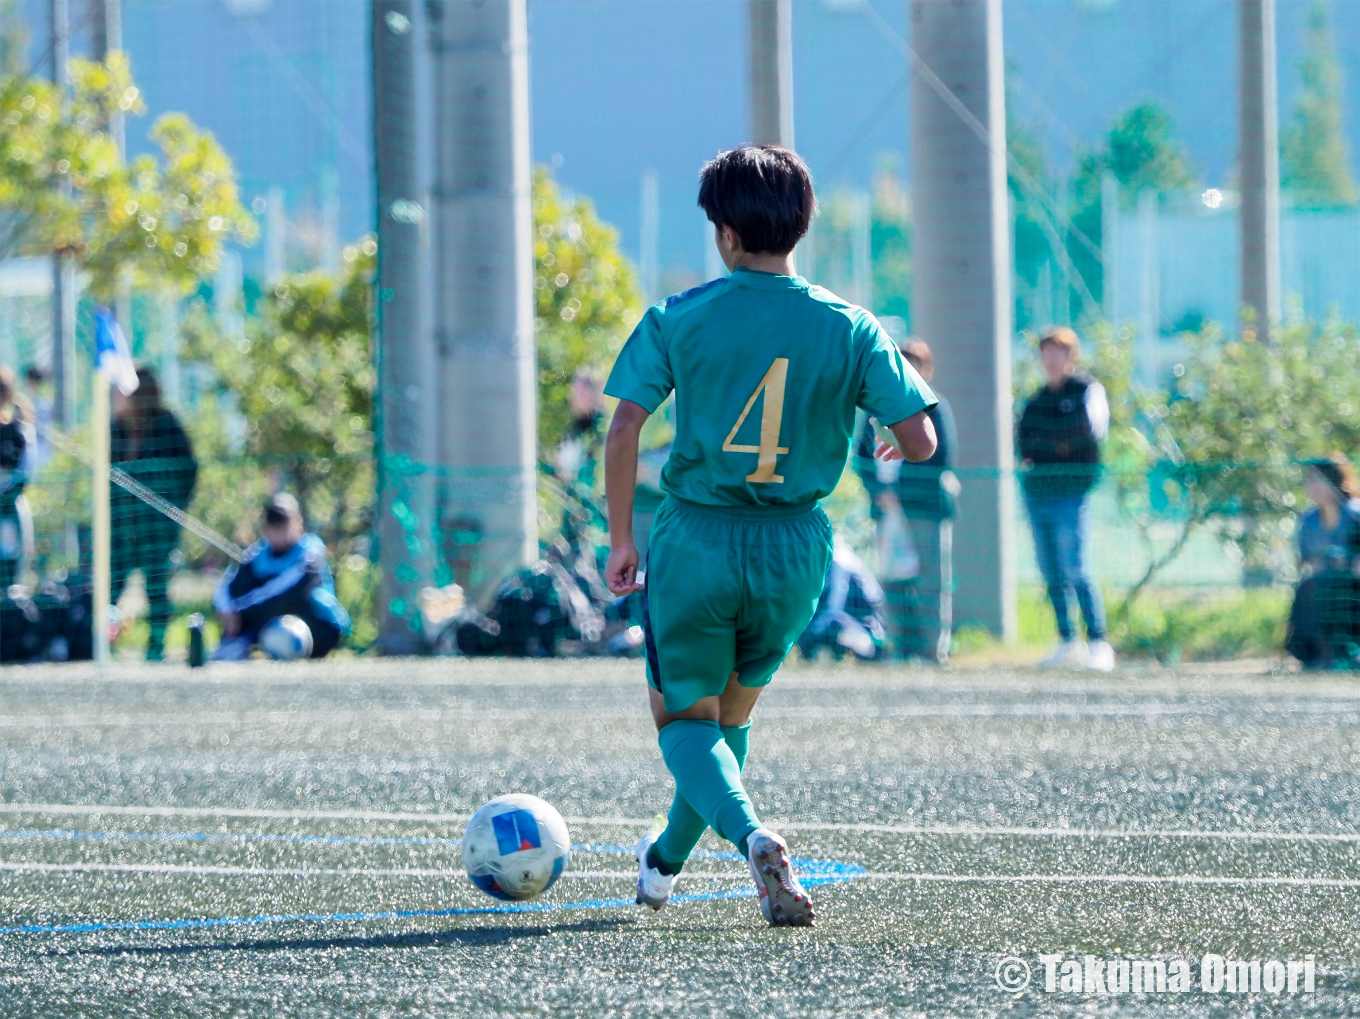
(284, 573)
(1325, 618)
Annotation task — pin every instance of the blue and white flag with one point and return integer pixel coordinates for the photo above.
(112, 356)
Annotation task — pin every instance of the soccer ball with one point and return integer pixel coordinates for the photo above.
(286, 638)
(515, 847)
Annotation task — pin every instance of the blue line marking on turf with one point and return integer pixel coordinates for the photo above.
(812, 873)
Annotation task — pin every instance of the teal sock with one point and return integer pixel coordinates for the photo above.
(684, 826)
(708, 777)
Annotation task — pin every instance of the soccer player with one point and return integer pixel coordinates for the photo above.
(767, 372)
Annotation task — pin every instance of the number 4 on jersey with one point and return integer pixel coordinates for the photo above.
(771, 416)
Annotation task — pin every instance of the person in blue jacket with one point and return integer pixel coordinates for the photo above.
(284, 573)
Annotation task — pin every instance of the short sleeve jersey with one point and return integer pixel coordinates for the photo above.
(767, 373)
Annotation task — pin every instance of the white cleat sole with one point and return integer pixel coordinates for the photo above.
(783, 901)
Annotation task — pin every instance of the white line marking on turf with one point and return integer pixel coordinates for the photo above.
(414, 718)
(1118, 879)
(286, 815)
(56, 809)
(18, 866)
(609, 875)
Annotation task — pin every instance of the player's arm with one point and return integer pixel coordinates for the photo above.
(916, 440)
(620, 483)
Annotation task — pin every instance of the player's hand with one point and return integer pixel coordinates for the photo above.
(887, 453)
(620, 571)
(231, 623)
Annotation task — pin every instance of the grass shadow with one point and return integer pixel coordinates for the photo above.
(414, 939)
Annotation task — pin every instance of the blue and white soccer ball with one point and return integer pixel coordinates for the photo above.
(286, 638)
(515, 847)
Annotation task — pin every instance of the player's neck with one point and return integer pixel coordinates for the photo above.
(763, 261)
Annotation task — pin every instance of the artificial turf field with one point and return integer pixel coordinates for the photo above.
(269, 840)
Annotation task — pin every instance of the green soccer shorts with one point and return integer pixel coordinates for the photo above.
(728, 589)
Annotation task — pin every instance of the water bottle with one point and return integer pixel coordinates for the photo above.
(196, 656)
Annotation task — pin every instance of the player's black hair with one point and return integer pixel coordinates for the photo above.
(763, 192)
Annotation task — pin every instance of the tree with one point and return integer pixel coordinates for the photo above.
(1143, 154)
(302, 380)
(890, 245)
(1314, 157)
(156, 221)
(586, 299)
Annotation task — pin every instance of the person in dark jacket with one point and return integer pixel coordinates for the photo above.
(919, 601)
(1059, 436)
(284, 573)
(147, 443)
(1324, 622)
(17, 440)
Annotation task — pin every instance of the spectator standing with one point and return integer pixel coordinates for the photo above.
(921, 496)
(1323, 620)
(1059, 437)
(147, 443)
(44, 411)
(17, 438)
(284, 573)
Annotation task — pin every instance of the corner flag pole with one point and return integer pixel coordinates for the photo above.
(113, 367)
(102, 542)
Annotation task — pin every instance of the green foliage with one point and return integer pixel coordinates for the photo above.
(303, 381)
(64, 188)
(586, 299)
(1141, 152)
(890, 243)
(1240, 419)
(1314, 157)
(1176, 626)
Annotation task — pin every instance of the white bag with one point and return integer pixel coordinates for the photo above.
(897, 558)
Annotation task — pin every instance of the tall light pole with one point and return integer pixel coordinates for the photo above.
(771, 71)
(1259, 166)
(63, 267)
(484, 322)
(961, 295)
(408, 405)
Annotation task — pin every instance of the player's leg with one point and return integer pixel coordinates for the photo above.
(786, 566)
(684, 827)
(689, 610)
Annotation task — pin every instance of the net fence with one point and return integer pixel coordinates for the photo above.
(1182, 575)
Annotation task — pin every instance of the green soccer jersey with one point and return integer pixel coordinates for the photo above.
(767, 372)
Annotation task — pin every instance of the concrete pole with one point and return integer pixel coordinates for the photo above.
(63, 267)
(1259, 169)
(961, 294)
(407, 405)
(484, 316)
(108, 38)
(772, 72)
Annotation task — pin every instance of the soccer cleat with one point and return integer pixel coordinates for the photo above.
(1100, 656)
(653, 888)
(1070, 654)
(782, 898)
